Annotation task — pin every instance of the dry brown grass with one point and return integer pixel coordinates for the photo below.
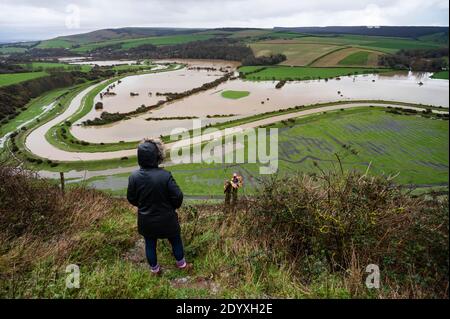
(37, 222)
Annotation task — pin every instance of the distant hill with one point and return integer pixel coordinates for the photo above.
(386, 31)
(122, 34)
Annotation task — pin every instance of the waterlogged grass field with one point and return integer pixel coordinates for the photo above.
(235, 94)
(300, 73)
(413, 148)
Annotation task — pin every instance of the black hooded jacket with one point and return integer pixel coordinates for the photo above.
(156, 194)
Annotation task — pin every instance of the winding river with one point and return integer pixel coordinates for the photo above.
(263, 97)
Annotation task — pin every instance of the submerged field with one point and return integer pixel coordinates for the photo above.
(413, 148)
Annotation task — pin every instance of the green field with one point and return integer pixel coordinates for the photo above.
(358, 58)
(8, 79)
(42, 66)
(304, 50)
(413, 147)
(235, 94)
(298, 54)
(132, 43)
(300, 49)
(54, 43)
(11, 50)
(300, 73)
(33, 109)
(386, 44)
(441, 75)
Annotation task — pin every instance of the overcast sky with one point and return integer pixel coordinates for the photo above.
(42, 19)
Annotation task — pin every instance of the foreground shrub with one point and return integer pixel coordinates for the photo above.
(346, 221)
(38, 222)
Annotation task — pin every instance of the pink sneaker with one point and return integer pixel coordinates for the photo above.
(182, 264)
(156, 270)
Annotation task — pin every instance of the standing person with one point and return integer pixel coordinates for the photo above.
(227, 188)
(156, 194)
(236, 183)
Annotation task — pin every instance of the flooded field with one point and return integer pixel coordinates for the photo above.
(146, 86)
(263, 97)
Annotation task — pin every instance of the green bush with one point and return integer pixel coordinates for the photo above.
(348, 219)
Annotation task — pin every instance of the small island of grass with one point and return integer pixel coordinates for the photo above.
(235, 94)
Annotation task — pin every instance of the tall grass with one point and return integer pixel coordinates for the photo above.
(298, 237)
(340, 222)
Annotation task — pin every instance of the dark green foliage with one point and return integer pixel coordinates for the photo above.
(347, 218)
(264, 60)
(417, 60)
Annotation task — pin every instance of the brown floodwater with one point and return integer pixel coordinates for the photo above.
(263, 97)
(146, 86)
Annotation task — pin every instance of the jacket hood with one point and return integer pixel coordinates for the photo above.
(148, 155)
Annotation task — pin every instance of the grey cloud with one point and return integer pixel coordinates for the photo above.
(37, 18)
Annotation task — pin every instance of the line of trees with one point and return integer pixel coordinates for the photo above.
(224, 49)
(417, 60)
(6, 68)
(264, 60)
(217, 48)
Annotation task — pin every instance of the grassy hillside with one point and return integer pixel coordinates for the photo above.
(289, 241)
(299, 54)
(348, 56)
(303, 49)
(13, 78)
(31, 111)
(132, 43)
(357, 58)
(11, 49)
(55, 43)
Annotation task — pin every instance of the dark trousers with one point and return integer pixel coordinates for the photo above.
(150, 249)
